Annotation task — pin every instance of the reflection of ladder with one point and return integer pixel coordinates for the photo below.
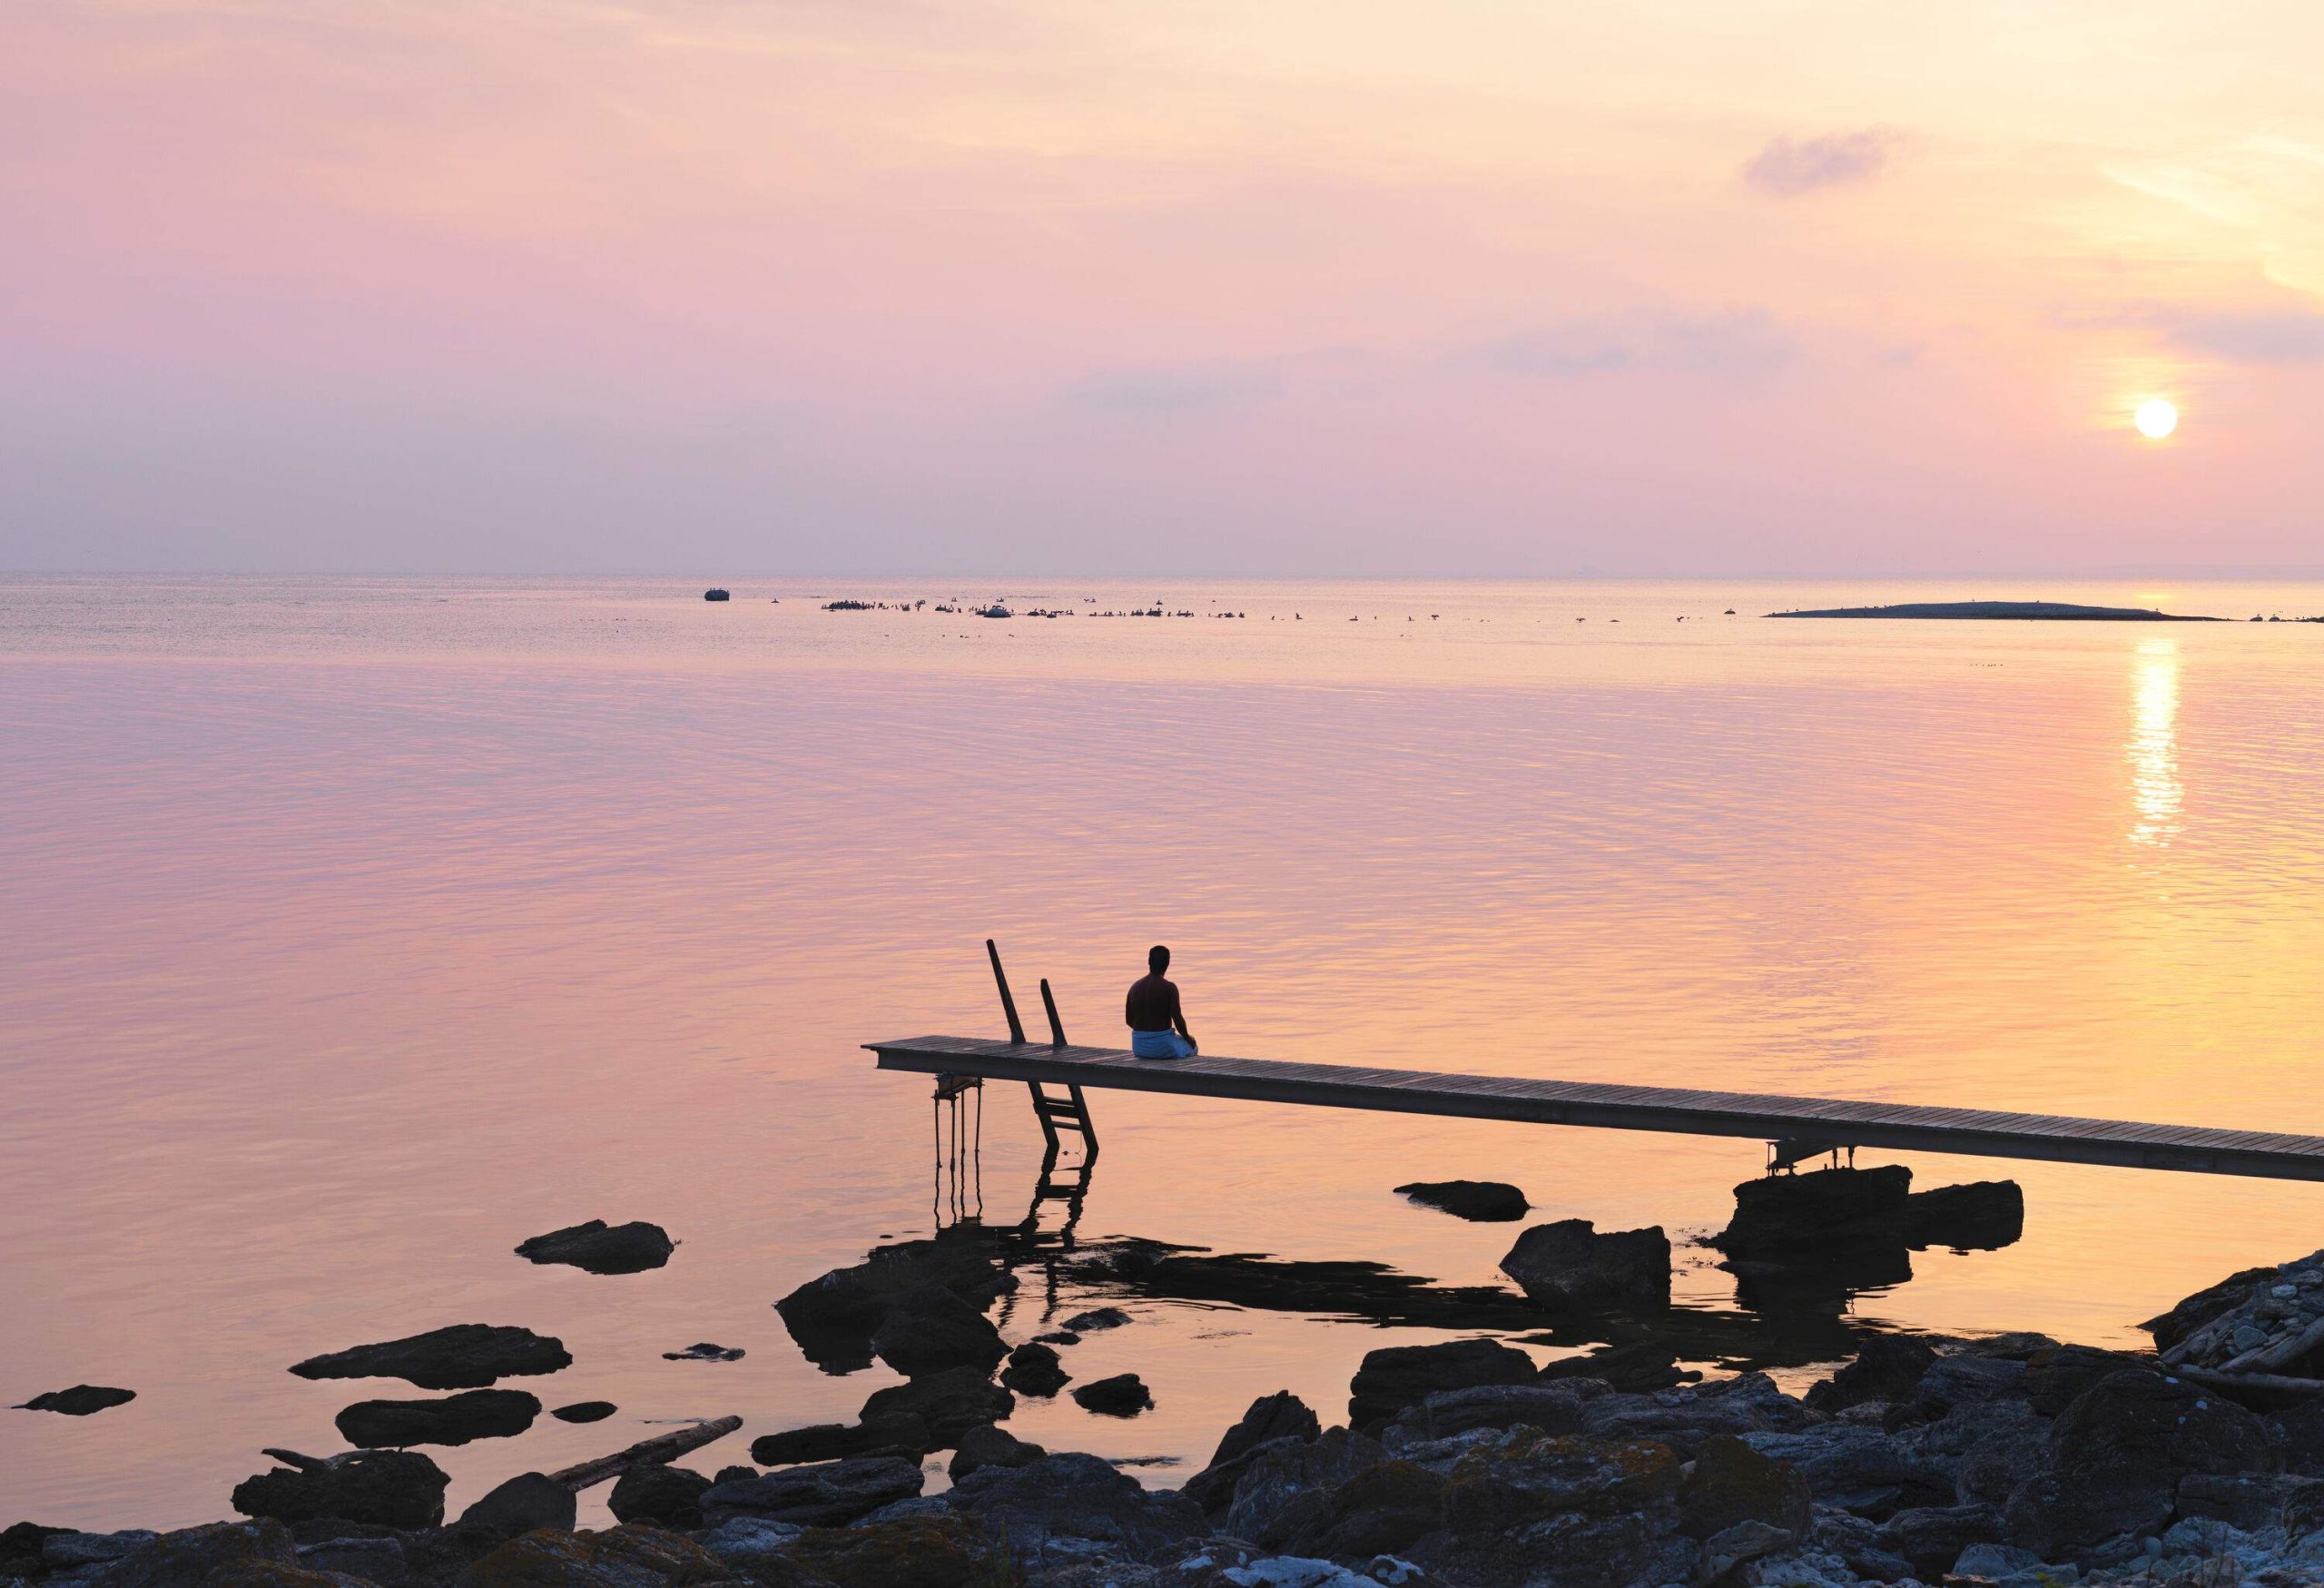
(1071, 1111)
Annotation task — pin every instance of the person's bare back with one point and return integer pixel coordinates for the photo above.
(1158, 1024)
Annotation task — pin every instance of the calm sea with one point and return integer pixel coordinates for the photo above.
(352, 931)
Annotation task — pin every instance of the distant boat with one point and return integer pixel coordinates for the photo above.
(716, 595)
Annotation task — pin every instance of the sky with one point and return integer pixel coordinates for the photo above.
(1159, 286)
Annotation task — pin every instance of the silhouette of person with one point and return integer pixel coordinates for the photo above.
(1158, 1026)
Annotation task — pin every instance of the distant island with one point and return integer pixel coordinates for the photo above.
(2044, 611)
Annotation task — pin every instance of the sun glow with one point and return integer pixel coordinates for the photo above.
(2155, 418)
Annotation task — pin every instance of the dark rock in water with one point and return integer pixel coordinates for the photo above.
(1058, 1338)
(833, 1316)
(949, 1403)
(1570, 1266)
(1479, 1201)
(705, 1351)
(222, 1553)
(1069, 1497)
(666, 1496)
(527, 1501)
(1634, 1368)
(898, 1436)
(1271, 1418)
(392, 1488)
(930, 1328)
(1396, 1376)
(2214, 1301)
(603, 1249)
(1830, 1210)
(478, 1413)
(1981, 1215)
(1731, 1482)
(79, 1401)
(1887, 1368)
(1090, 1323)
(827, 1494)
(1034, 1369)
(940, 1551)
(463, 1356)
(717, 594)
(1124, 1394)
(991, 1446)
(1553, 1408)
(629, 1556)
(2116, 1456)
(586, 1412)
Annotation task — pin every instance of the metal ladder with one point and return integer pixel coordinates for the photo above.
(1054, 1113)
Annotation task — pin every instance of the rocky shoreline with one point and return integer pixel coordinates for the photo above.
(2016, 1460)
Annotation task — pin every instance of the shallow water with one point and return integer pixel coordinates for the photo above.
(356, 930)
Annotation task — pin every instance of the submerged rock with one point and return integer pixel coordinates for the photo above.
(705, 1351)
(1570, 1265)
(666, 1496)
(1034, 1369)
(390, 1488)
(1103, 1317)
(529, 1500)
(1396, 1376)
(81, 1401)
(1124, 1394)
(603, 1249)
(478, 1413)
(1479, 1201)
(463, 1356)
(584, 1412)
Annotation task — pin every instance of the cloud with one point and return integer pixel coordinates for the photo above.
(2270, 189)
(1790, 166)
(2284, 337)
(1165, 391)
(1736, 341)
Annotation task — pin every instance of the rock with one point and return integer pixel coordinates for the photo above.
(816, 1442)
(1981, 1215)
(1479, 1201)
(1034, 1369)
(1638, 1366)
(392, 1488)
(20, 1548)
(1745, 1542)
(233, 1551)
(1929, 1538)
(991, 1446)
(833, 1316)
(1090, 1323)
(940, 1551)
(1385, 1507)
(714, 594)
(1887, 1367)
(705, 1351)
(948, 1404)
(1957, 1381)
(1862, 1470)
(530, 1499)
(1561, 1512)
(1800, 1215)
(1396, 1376)
(603, 1249)
(1565, 1550)
(1280, 1416)
(2238, 1500)
(665, 1496)
(825, 1494)
(82, 1400)
(1124, 1394)
(737, 1474)
(463, 1356)
(1062, 1504)
(1294, 1476)
(2298, 1431)
(1553, 1408)
(928, 1329)
(1570, 1266)
(64, 1550)
(619, 1557)
(752, 1544)
(2004, 1563)
(2214, 1301)
(2055, 1378)
(476, 1414)
(1997, 1446)
(1730, 1483)
(586, 1412)
(1059, 1338)
(381, 1560)
(1749, 1403)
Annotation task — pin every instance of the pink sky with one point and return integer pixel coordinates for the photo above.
(1312, 286)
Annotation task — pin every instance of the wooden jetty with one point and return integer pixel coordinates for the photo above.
(1808, 1125)
(1795, 1128)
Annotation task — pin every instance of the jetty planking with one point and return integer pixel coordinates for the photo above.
(1825, 1122)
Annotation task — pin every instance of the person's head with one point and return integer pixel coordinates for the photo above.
(1157, 959)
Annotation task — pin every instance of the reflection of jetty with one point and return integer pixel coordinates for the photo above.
(1800, 1125)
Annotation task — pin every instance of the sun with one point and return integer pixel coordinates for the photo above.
(2155, 418)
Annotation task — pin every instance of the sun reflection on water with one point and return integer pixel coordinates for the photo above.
(2156, 793)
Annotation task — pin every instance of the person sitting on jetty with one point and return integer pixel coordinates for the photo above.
(1158, 1026)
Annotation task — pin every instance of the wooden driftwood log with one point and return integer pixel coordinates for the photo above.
(655, 1452)
(2270, 1384)
(2282, 1353)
